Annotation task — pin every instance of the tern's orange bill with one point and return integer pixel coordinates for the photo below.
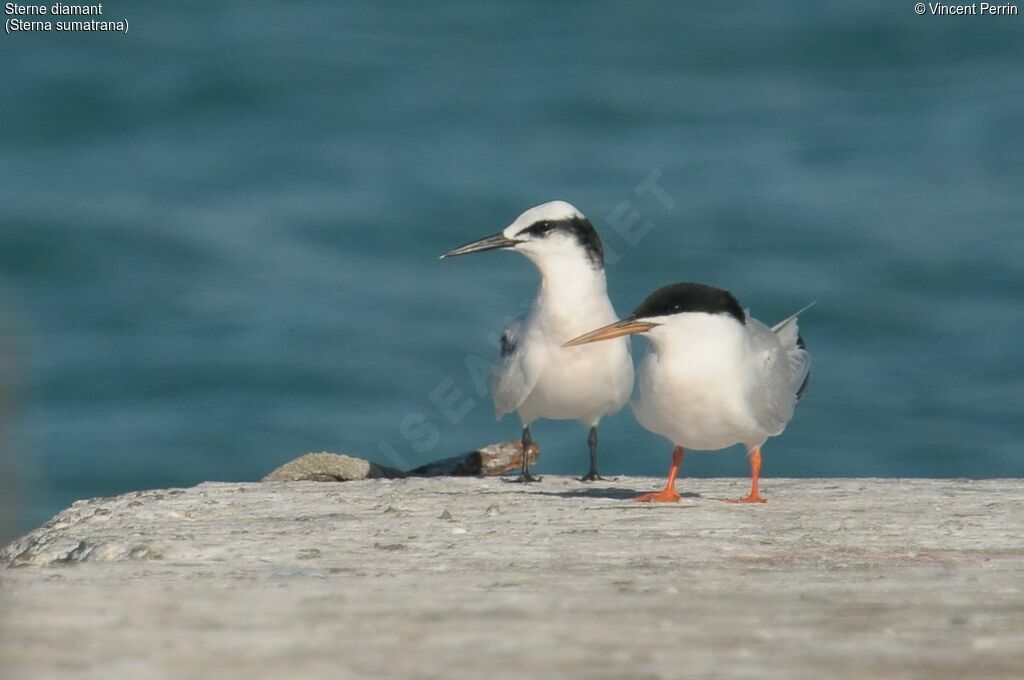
(615, 330)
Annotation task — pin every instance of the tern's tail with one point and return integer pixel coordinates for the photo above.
(788, 333)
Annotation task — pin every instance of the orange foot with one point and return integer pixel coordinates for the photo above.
(752, 498)
(663, 496)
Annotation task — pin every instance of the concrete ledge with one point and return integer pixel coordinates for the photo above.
(473, 577)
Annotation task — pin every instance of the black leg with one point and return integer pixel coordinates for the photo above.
(525, 477)
(592, 476)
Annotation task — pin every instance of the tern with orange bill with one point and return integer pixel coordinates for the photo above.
(713, 376)
(537, 375)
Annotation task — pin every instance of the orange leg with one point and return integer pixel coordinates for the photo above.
(669, 493)
(755, 474)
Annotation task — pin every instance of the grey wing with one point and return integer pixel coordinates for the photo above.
(517, 372)
(780, 368)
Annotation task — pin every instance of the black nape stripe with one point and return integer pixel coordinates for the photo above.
(577, 226)
(690, 297)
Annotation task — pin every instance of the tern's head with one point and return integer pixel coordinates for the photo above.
(547, 233)
(670, 306)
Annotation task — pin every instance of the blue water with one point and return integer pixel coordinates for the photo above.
(219, 233)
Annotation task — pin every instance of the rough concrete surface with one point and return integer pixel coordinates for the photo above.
(473, 577)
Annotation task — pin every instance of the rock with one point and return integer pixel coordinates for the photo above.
(495, 459)
(466, 577)
(330, 467)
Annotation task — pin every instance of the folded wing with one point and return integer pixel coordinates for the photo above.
(518, 370)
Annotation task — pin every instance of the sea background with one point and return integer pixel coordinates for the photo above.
(219, 233)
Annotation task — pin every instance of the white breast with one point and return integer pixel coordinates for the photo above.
(582, 385)
(693, 383)
(577, 383)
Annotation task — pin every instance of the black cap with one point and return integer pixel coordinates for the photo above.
(690, 297)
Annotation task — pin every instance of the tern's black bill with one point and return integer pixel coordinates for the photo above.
(490, 243)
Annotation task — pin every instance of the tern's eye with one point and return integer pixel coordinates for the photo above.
(540, 228)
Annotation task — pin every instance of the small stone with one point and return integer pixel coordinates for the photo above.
(389, 547)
